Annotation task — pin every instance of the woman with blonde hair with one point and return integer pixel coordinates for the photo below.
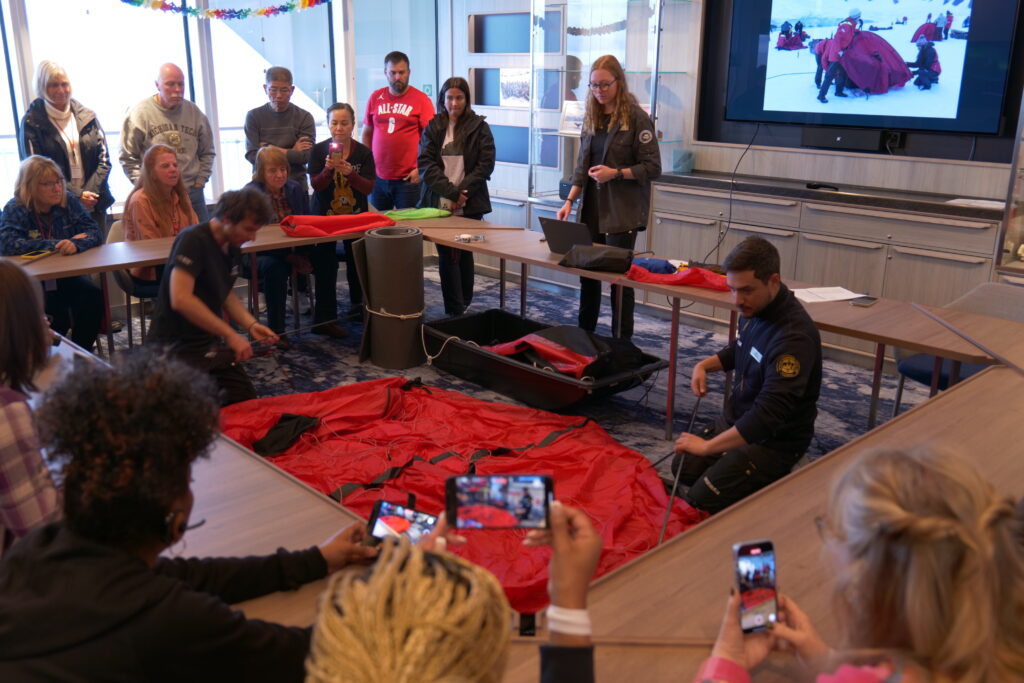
(58, 127)
(45, 216)
(929, 580)
(158, 207)
(618, 158)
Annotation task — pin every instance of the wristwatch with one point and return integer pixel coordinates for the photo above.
(618, 174)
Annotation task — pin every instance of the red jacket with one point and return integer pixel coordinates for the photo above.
(842, 39)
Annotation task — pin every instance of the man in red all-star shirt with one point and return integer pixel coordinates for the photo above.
(395, 119)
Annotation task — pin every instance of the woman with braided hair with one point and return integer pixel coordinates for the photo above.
(90, 598)
(422, 615)
(929, 580)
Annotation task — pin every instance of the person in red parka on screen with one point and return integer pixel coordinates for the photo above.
(840, 41)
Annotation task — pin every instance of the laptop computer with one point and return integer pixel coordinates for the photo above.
(564, 235)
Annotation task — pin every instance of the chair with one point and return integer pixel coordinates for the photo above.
(124, 280)
(994, 299)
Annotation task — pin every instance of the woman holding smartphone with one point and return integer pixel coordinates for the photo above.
(455, 162)
(342, 173)
(44, 216)
(618, 158)
(929, 581)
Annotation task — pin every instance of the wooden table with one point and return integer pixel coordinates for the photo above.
(253, 508)
(660, 613)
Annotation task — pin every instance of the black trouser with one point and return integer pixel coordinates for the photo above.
(836, 73)
(76, 304)
(718, 481)
(325, 279)
(590, 290)
(926, 78)
(231, 378)
(456, 269)
(355, 289)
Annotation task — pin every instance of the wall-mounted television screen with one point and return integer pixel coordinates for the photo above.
(893, 64)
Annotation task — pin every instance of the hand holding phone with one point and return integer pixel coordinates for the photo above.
(336, 151)
(500, 501)
(755, 579)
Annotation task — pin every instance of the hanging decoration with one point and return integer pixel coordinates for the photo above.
(197, 13)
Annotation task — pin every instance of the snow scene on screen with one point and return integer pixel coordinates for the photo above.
(395, 520)
(903, 58)
(756, 577)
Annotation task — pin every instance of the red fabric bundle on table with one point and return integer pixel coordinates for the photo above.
(690, 277)
(410, 439)
(322, 226)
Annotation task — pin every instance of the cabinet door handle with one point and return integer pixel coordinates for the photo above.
(741, 227)
(939, 255)
(902, 217)
(683, 219)
(719, 195)
(840, 240)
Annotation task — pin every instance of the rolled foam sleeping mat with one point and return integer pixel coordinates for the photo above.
(390, 266)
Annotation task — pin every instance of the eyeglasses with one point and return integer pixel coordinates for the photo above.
(279, 91)
(51, 183)
(602, 86)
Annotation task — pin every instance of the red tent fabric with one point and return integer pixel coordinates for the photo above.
(873, 64)
(927, 29)
(561, 358)
(691, 277)
(322, 226)
(410, 438)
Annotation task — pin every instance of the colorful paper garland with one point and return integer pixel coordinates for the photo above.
(197, 13)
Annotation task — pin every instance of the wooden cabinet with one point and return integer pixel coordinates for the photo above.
(931, 277)
(687, 239)
(786, 241)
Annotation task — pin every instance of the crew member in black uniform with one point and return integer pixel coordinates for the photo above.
(195, 292)
(768, 421)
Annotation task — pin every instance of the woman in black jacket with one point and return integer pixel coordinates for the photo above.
(618, 158)
(455, 161)
(92, 597)
(60, 128)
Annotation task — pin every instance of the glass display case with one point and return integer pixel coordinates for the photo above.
(567, 36)
(1010, 259)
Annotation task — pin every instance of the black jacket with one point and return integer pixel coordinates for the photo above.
(622, 204)
(478, 155)
(926, 57)
(777, 362)
(74, 610)
(38, 135)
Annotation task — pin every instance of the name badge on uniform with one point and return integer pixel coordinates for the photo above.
(755, 354)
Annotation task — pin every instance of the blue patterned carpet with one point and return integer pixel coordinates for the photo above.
(635, 418)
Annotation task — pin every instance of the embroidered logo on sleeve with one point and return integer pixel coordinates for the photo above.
(646, 136)
(787, 366)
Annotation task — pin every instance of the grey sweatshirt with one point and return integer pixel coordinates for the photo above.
(263, 126)
(183, 128)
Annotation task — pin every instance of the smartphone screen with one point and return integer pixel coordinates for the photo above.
(35, 254)
(755, 577)
(863, 301)
(506, 501)
(335, 148)
(391, 519)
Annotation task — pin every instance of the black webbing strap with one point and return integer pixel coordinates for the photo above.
(395, 472)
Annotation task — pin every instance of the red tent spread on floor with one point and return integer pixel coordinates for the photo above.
(390, 438)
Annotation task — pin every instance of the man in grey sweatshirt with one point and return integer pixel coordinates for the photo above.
(279, 123)
(167, 118)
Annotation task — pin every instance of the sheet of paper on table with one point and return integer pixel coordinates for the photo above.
(813, 295)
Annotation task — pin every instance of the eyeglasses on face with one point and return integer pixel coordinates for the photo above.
(51, 183)
(603, 85)
(279, 91)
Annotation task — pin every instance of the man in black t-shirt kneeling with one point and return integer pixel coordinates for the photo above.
(195, 293)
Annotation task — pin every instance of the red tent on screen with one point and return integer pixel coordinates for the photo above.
(926, 29)
(755, 596)
(873, 64)
(397, 524)
(487, 516)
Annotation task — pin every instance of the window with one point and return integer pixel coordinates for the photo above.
(242, 51)
(510, 33)
(8, 133)
(108, 81)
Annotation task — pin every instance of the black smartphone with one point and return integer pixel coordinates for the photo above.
(391, 519)
(755, 578)
(864, 301)
(336, 149)
(498, 501)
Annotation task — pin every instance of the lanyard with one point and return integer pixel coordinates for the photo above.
(45, 231)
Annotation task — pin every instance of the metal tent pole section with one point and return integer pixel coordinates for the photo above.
(657, 66)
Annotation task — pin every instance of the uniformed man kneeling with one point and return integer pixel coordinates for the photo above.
(768, 421)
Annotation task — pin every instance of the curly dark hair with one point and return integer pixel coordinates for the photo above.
(127, 436)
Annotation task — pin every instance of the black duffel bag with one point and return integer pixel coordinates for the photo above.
(598, 257)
